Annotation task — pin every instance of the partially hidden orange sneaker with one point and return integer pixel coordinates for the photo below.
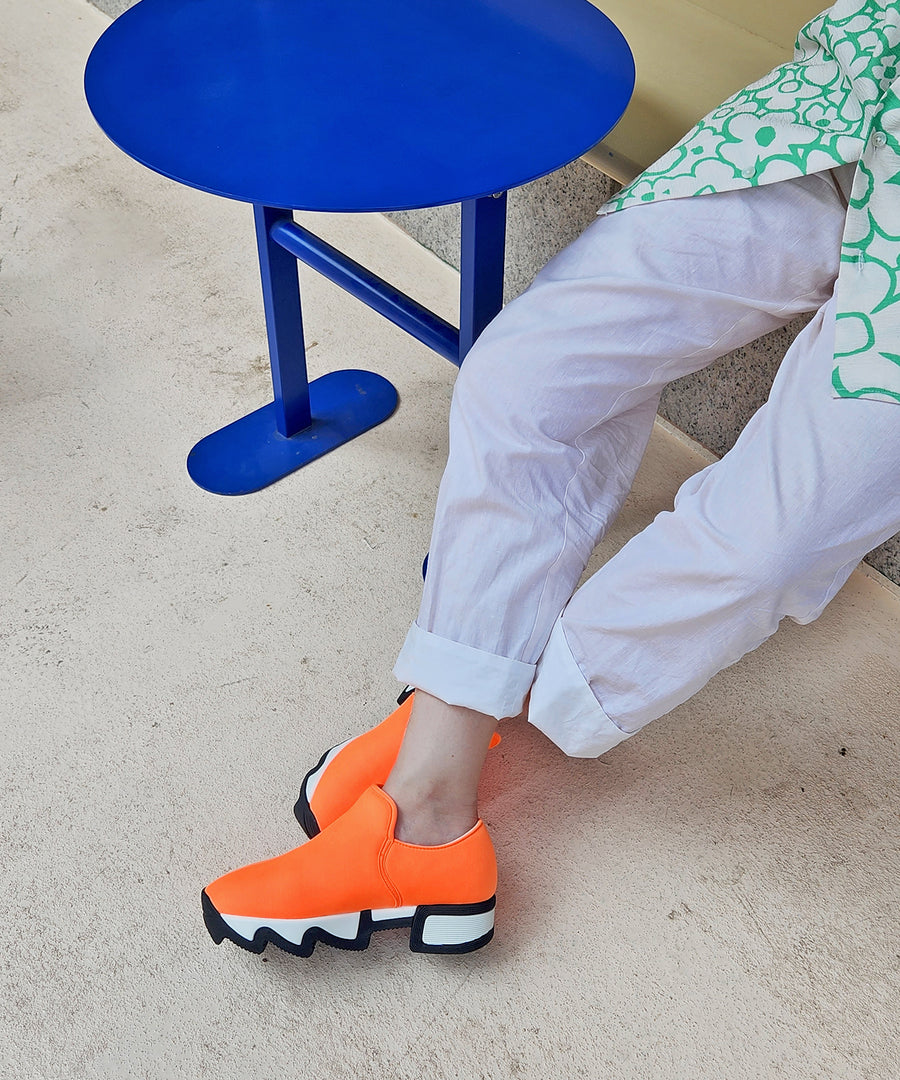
(344, 772)
(355, 878)
(332, 786)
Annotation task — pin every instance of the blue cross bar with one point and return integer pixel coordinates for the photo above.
(306, 420)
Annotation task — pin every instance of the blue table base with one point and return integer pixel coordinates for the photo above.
(252, 453)
(306, 420)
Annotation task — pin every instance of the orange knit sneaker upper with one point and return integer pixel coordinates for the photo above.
(357, 864)
(365, 760)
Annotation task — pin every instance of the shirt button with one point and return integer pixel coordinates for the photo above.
(879, 138)
(748, 174)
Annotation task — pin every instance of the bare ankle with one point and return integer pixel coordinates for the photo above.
(434, 781)
(428, 821)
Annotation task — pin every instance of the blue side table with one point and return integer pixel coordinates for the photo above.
(353, 105)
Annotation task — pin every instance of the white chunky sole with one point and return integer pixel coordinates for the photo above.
(433, 928)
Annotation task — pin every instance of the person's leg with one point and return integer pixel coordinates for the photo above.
(554, 405)
(771, 530)
(550, 419)
(437, 794)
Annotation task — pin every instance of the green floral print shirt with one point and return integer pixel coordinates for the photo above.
(837, 102)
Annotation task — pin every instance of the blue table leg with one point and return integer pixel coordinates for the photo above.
(481, 266)
(305, 420)
(284, 325)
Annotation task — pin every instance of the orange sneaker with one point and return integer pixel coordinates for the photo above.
(332, 786)
(355, 878)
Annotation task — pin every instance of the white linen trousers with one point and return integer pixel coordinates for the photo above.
(551, 414)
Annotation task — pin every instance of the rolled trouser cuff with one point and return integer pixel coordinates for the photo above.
(462, 675)
(563, 706)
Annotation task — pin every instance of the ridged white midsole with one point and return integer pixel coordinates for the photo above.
(456, 929)
(292, 930)
(445, 929)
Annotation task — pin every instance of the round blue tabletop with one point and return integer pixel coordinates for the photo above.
(358, 105)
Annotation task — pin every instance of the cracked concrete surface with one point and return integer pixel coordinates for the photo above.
(716, 898)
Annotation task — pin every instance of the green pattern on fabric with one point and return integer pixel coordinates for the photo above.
(835, 103)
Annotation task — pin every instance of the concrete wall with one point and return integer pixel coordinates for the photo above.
(711, 406)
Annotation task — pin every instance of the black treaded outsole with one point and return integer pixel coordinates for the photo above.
(219, 930)
(302, 811)
(306, 817)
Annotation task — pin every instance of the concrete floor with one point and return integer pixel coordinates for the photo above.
(716, 898)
